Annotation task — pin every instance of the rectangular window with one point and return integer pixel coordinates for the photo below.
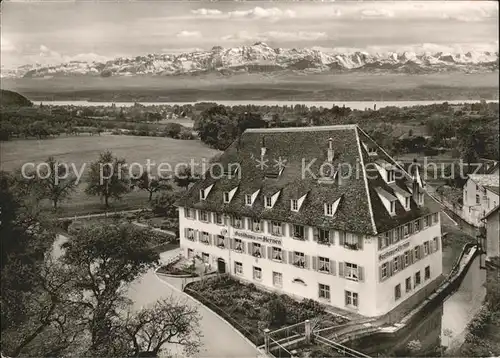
(203, 215)
(427, 272)
(238, 268)
(351, 241)
(407, 230)
(237, 222)
(407, 258)
(218, 219)
(351, 299)
(420, 198)
(408, 284)
(205, 257)
(238, 245)
(202, 194)
(294, 205)
(188, 213)
(427, 221)
(407, 203)
(256, 250)
(323, 236)
(190, 234)
(416, 252)
(416, 225)
(384, 240)
(298, 232)
(392, 208)
(397, 292)
(417, 278)
(276, 228)
(435, 244)
(257, 273)
(190, 253)
(269, 202)
(299, 259)
(478, 201)
(435, 218)
(324, 291)
(257, 225)
(395, 264)
(323, 264)
(329, 209)
(226, 197)
(248, 199)
(205, 237)
(277, 254)
(385, 270)
(277, 279)
(426, 248)
(351, 271)
(220, 241)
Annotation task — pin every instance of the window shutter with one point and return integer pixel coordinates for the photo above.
(421, 248)
(361, 274)
(186, 211)
(390, 268)
(242, 247)
(186, 230)
(333, 267)
(261, 225)
(331, 237)
(380, 275)
(306, 261)
(290, 257)
(231, 244)
(269, 227)
(226, 242)
(341, 239)
(232, 220)
(306, 233)
(315, 263)
(242, 220)
(270, 252)
(315, 234)
(250, 248)
(290, 230)
(341, 269)
(210, 239)
(226, 221)
(401, 262)
(437, 243)
(411, 256)
(263, 251)
(283, 229)
(380, 242)
(196, 235)
(283, 255)
(360, 242)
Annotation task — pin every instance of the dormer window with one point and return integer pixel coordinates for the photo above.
(390, 176)
(248, 200)
(329, 209)
(226, 197)
(407, 203)
(420, 198)
(203, 196)
(268, 202)
(372, 151)
(294, 205)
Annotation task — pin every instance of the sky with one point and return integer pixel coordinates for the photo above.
(54, 32)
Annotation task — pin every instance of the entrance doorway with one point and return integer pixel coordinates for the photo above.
(221, 266)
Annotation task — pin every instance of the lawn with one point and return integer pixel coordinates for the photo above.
(82, 150)
(453, 244)
(251, 310)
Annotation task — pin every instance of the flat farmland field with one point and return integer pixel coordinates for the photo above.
(83, 150)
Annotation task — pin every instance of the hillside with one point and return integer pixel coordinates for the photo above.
(13, 99)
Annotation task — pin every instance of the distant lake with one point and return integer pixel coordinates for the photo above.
(327, 104)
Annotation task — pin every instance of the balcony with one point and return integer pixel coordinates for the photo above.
(351, 246)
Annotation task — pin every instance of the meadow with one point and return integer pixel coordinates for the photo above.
(83, 150)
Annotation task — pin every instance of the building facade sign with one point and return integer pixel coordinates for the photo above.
(263, 239)
(393, 251)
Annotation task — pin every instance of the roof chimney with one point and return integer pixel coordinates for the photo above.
(330, 150)
(263, 147)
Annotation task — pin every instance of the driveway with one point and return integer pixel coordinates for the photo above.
(219, 338)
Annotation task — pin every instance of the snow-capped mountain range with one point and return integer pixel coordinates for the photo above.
(262, 58)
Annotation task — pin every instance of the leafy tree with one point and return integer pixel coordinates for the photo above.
(151, 185)
(183, 178)
(163, 205)
(167, 321)
(172, 130)
(108, 177)
(275, 313)
(56, 183)
(104, 259)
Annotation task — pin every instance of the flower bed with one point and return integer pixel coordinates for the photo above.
(180, 267)
(251, 310)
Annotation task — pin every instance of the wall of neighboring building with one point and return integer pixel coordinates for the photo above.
(386, 300)
(492, 235)
(473, 211)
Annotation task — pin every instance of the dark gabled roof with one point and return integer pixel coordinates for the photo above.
(488, 214)
(305, 150)
(493, 189)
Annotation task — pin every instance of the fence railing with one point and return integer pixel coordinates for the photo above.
(288, 332)
(339, 348)
(278, 350)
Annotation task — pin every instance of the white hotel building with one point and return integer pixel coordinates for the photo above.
(364, 241)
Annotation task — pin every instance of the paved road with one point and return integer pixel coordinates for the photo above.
(219, 339)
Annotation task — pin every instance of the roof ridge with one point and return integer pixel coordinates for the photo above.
(302, 129)
(367, 188)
